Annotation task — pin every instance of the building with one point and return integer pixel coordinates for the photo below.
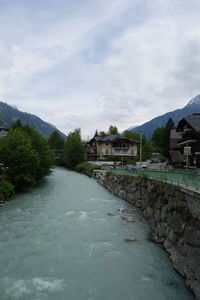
(3, 132)
(101, 147)
(175, 150)
(188, 143)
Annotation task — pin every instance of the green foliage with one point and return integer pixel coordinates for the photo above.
(143, 176)
(56, 141)
(170, 124)
(19, 157)
(40, 145)
(6, 190)
(113, 130)
(25, 155)
(96, 133)
(87, 168)
(102, 133)
(160, 139)
(147, 147)
(74, 149)
(131, 135)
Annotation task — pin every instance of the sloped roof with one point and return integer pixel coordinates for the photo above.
(193, 121)
(112, 138)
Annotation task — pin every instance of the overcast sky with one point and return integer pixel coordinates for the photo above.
(92, 63)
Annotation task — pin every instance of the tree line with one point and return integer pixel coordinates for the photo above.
(74, 148)
(26, 156)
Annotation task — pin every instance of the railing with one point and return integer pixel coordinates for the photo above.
(179, 177)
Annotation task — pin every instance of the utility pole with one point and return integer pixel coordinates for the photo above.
(122, 157)
(141, 130)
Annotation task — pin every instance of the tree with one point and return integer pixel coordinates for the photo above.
(160, 140)
(132, 135)
(113, 130)
(73, 149)
(170, 124)
(56, 141)
(96, 133)
(102, 133)
(19, 158)
(147, 148)
(40, 145)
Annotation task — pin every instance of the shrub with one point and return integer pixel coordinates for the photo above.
(6, 190)
(86, 168)
(143, 176)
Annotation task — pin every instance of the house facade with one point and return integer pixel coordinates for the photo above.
(188, 140)
(111, 145)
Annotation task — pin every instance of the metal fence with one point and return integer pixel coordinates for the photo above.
(188, 178)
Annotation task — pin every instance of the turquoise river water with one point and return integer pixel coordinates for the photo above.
(58, 242)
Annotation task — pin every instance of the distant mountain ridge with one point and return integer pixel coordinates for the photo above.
(9, 114)
(193, 106)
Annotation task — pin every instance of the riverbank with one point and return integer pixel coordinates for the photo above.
(69, 238)
(174, 216)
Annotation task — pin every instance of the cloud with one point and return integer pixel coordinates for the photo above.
(90, 64)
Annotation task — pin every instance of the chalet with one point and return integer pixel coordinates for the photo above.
(188, 143)
(175, 150)
(100, 147)
(3, 132)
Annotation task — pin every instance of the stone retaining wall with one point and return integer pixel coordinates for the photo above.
(173, 213)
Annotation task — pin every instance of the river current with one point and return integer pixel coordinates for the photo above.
(65, 240)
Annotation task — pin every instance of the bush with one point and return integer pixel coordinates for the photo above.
(87, 168)
(6, 190)
(143, 176)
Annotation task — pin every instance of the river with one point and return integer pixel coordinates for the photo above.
(65, 240)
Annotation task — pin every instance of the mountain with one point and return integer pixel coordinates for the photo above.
(9, 114)
(193, 106)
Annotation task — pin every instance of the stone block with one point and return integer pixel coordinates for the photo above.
(176, 223)
(163, 214)
(192, 237)
(157, 215)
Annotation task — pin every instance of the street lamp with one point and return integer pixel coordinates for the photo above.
(141, 130)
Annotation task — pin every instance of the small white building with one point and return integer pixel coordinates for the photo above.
(3, 132)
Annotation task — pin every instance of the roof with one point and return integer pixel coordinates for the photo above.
(112, 138)
(193, 121)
